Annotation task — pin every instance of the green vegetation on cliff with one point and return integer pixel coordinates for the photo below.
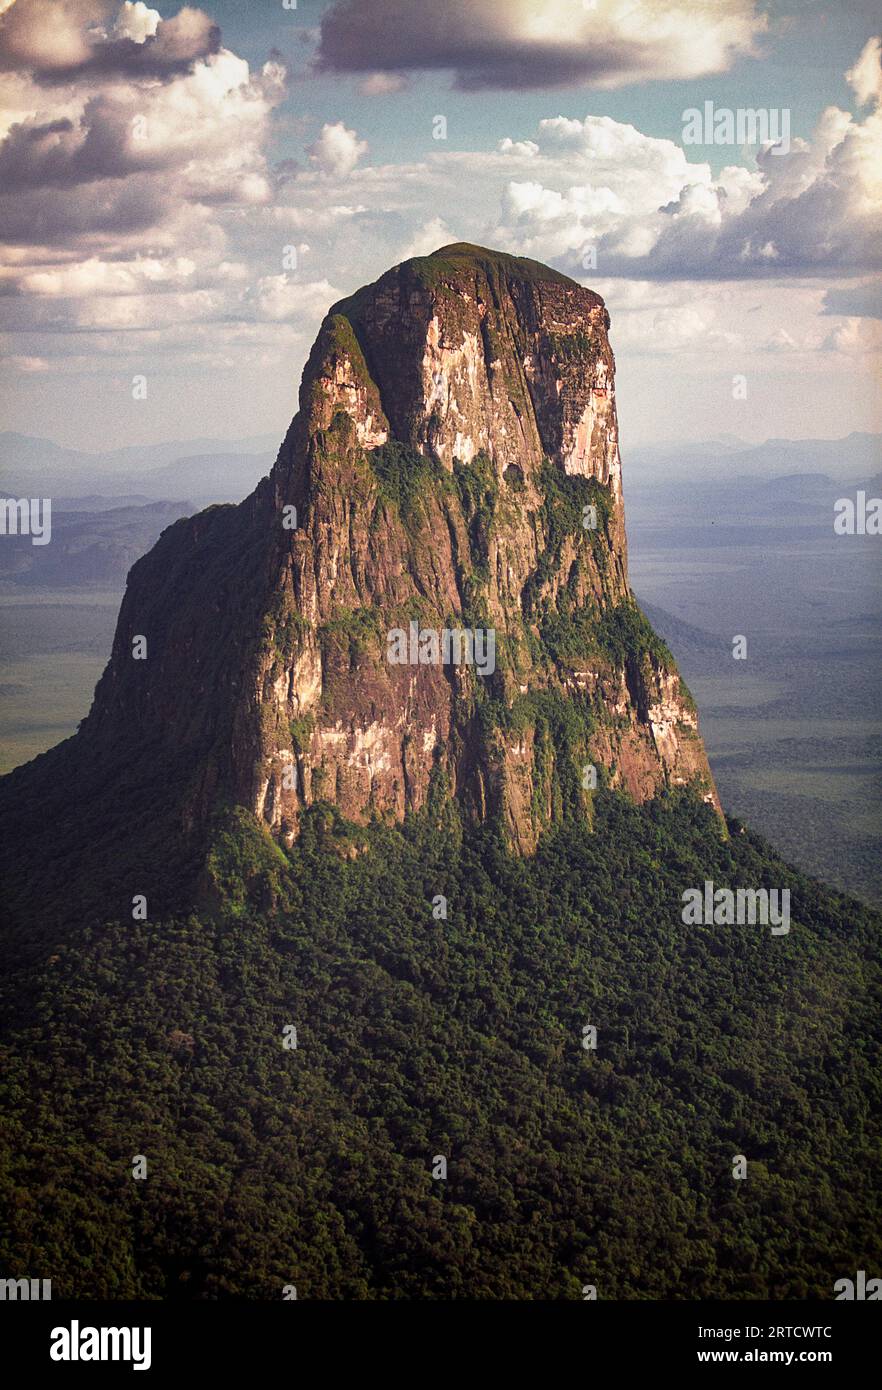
(463, 257)
(405, 476)
(561, 519)
(624, 633)
(478, 489)
(353, 632)
(457, 264)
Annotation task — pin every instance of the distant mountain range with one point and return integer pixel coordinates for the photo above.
(89, 546)
(742, 507)
(204, 470)
(854, 456)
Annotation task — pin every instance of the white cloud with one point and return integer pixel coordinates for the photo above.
(116, 184)
(652, 318)
(42, 35)
(381, 84)
(855, 337)
(865, 78)
(646, 209)
(278, 297)
(145, 212)
(71, 41)
(428, 238)
(136, 21)
(337, 150)
(525, 148)
(94, 277)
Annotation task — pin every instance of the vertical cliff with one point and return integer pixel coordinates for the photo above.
(453, 467)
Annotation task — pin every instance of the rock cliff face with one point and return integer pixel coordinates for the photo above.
(453, 466)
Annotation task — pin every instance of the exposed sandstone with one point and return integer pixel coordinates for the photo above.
(456, 419)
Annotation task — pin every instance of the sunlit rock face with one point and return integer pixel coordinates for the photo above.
(454, 466)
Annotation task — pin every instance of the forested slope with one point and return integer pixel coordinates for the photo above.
(420, 1037)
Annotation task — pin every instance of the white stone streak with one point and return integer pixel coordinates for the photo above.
(452, 375)
(347, 393)
(305, 680)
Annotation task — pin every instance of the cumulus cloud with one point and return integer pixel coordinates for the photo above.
(96, 277)
(382, 84)
(136, 21)
(282, 297)
(337, 150)
(428, 238)
(865, 78)
(128, 159)
(71, 42)
(643, 208)
(653, 318)
(43, 36)
(120, 169)
(520, 44)
(139, 205)
(855, 337)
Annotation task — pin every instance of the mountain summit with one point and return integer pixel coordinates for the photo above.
(451, 485)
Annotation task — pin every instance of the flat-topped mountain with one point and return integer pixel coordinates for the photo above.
(452, 482)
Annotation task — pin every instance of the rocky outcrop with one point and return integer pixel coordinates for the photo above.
(453, 467)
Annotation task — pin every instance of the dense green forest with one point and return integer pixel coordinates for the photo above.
(421, 1036)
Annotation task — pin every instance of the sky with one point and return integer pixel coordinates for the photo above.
(184, 192)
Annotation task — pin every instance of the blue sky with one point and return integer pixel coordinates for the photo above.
(160, 167)
(800, 65)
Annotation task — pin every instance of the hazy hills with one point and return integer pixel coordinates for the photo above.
(203, 470)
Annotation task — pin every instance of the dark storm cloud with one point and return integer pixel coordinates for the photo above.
(520, 45)
(38, 216)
